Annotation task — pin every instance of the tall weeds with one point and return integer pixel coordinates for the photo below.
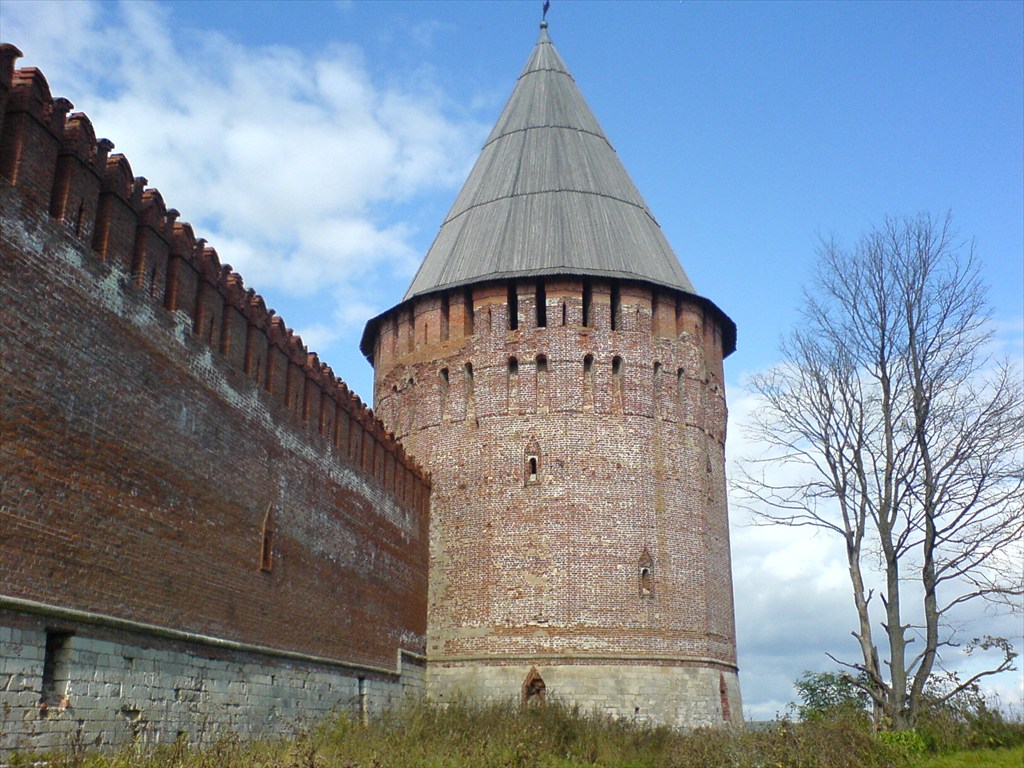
(551, 736)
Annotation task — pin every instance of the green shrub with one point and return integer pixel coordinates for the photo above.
(910, 743)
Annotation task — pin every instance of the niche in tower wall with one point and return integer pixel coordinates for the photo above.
(534, 690)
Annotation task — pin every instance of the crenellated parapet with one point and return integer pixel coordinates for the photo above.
(54, 160)
(552, 344)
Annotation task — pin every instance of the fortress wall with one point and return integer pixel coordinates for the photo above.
(131, 687)
(575, 439)
(173, 458)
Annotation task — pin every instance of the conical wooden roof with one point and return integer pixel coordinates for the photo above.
(548, 195)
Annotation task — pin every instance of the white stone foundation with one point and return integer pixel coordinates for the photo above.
(116, 688)
(674, 695)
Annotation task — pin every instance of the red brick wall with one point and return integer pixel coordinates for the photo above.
(630, 465)
(144, 433)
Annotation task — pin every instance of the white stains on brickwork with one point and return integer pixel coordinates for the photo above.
(109, 288)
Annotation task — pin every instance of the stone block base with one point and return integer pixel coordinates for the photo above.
(659, 693)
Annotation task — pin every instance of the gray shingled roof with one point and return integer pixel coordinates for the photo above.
(548, 195)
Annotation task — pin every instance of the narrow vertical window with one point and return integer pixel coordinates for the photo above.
(513, 383)
(564, 314)
(467, 313)
(587, 300)
(443, 384)
(645, 575)
(588, 381)
(470, 404)
(541, 384)
(542, 305)
(445, 317)
(616, 320)
(56, 669)
(680, 387)
(531, 463)
(410, 404)
(617, 383)
(513, 308)
(654, 389)
(267, 541)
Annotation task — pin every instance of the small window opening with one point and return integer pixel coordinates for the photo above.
(513, 366)
(443, 375)
(617, 366)
(267, 541)
(588, 364)
(468, 372)
(534, 690)
(645, 573)
(542, 364)
(513, 308)
(564, 314)
(616, 321)
(542, 305)
(531, 467)
(680, 386)
(56, 670)
(587, 299)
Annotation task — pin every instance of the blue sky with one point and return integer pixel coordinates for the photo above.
(318, 145)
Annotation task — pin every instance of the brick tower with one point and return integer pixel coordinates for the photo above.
(553, 368)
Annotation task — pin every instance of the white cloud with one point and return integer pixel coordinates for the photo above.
(279, 158)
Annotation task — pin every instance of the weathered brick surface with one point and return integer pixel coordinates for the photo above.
(624, 418)
(158, 423)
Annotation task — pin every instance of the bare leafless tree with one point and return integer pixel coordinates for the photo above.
(909, 438)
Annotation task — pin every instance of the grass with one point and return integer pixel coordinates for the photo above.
(982, 758)
(462, 736)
